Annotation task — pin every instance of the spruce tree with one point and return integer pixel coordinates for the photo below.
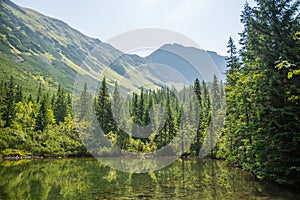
(45, 114)
(141, 107)
(85, 101)
(104, 109)
(39, 93)
(19, 94)
(9, 103)
(60, 106)
(200, 130)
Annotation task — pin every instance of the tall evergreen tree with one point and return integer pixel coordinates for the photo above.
(8, 112)
(39, 93)
(200, 130)
(2, 100)
(246, 17)
(104, 108)
(19, 94)
(69, 105)
(215, 93)
(60, 106)
(233, 63)
(85, 109)
(45, 114)
(141, 108)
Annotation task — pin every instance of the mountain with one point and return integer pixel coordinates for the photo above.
(191, 62)
(37, 49)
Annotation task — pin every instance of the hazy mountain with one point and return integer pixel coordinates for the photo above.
(191, 62)
(36, 49)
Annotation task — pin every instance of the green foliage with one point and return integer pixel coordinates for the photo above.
(38, 49)
(14, 152)
(103, 108)
(45, 114)
(32, 129)
(78, 179)
(61, 105)
(112, 116)
(42, 55)
(263, 111)
(8, 111)
(44, 179)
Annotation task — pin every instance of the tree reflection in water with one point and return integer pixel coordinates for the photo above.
(89, 179)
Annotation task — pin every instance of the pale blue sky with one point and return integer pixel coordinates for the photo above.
(207, 22)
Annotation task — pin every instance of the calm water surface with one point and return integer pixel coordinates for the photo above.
(89, 179)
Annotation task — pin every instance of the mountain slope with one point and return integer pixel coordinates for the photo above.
(46, 49)
(38, 49)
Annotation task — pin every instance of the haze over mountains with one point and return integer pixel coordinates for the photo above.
(38, 49)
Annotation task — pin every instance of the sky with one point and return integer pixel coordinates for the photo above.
(209, 23)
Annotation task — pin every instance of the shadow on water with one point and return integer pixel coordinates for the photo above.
(89, 179)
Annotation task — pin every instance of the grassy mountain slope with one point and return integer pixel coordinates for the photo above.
(38, 49)
(43, 49)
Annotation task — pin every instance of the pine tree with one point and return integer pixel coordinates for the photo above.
(215, 93)
(8, 112)
(170, 122)
(200, 130)
(53, 100)
(85, 109)
(246, 18)
(69, 105)
(134, 105)
(233, 63)
(141, 107)
(60, 106)
(149, 105)
(39, 93)
(104, 108)
(197, 91)
(19, 94)
(2, 100)
(45, 114)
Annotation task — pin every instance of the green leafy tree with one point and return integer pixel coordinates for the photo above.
(25, 117)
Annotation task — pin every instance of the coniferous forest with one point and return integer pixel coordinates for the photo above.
(43, 124)
(261, 131)
(262, 126)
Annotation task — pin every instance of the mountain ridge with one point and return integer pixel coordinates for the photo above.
(39, 49)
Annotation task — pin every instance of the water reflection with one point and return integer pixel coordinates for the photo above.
(90, 179)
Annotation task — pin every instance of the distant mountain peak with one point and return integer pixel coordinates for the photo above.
(190, 61)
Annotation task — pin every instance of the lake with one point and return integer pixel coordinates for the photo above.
(87, 178)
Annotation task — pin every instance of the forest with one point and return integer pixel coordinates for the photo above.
(261, 131)
(44, 125)
(262, 126)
